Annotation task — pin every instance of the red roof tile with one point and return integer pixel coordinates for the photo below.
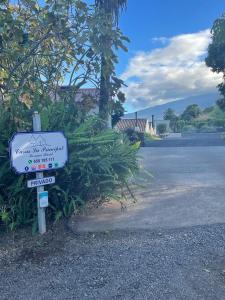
(124, 124)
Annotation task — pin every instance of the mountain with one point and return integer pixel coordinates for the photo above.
(179, 106)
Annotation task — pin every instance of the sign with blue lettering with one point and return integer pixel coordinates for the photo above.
(38, 151)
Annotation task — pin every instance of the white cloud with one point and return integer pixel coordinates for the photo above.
(173, 72)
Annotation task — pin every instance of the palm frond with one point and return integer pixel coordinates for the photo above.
(113, 7)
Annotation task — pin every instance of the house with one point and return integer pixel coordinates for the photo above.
(140, 125)
(86, 97)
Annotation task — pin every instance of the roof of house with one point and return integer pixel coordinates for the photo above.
(124, 124)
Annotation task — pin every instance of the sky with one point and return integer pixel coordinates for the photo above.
(169, 41)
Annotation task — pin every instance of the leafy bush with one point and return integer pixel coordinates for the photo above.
(207, 129)
(161, 128)
(99, 168)
(134, 136)
(15, 204)
(219, 123)
(189, 129)
(101, 164)
(199, 124)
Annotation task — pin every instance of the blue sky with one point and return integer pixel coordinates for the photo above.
(169, 41)
(154, 25)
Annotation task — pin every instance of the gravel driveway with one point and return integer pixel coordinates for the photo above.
(187, 264)
(170, 245)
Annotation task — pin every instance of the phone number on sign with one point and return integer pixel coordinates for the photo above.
(43, 160)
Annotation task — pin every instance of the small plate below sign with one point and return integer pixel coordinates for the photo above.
(43, 199)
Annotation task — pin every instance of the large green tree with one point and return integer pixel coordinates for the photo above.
(43, 46)
(172, 117)
(191, 112)
(216, 55)
(112, 9)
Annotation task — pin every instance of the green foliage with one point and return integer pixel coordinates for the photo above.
(180, 125)
(15, 205)
(216, 54)
(216, 113)
(210, 120)
(100, 166)
(173, 118)
(169, 114)
(41, 44)
(208, 109)
(112, 7)
(189, 129)
(110, 40)
(191, 112)
(101, 163)
(216, 50)
(221, 104)
(117, 112)
(161, 128)
(134, 136)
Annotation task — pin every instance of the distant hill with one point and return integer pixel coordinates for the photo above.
(203, 101)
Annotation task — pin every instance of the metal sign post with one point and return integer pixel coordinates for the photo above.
(39, 175)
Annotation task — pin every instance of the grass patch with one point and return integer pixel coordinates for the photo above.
(150, 138)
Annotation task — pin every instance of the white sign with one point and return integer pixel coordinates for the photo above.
(38, 151)
(43, 199)
(40, 182)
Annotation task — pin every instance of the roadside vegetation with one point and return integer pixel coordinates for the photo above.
(194, 119)
(162, 129)
(40, 47)
(149, 137)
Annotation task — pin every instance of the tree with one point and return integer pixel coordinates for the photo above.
(216, 55)
(221, 103)
(111, 8)
(41, 45)
(191, 112)
(117, 112)
(172, 117)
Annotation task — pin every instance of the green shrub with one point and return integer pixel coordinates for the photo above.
(100, 165)
(189, 129)
(219, 123)
(161, 128)
(134, 136)
(101, 162)
(207, 129)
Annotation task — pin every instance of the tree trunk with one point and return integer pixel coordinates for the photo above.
(104, 107)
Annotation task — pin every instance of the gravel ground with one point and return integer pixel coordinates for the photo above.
(160, 249)
(185, 263)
